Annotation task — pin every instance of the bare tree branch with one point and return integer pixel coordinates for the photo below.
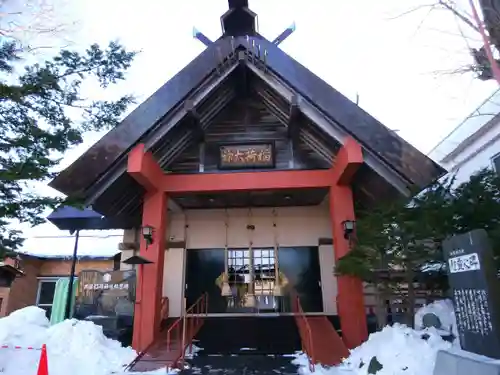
(412, 10)
(451, 8)
(35, 22)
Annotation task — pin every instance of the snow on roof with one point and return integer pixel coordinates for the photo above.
(58, 244)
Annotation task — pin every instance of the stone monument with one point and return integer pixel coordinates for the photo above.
(475, 287)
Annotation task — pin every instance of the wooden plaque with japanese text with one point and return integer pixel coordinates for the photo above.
(475, 287)
(246, 156)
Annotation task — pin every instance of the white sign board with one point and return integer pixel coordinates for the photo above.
(104, 286)
(464, 263)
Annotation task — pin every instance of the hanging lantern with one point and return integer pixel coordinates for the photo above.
(278, 290)
(225, 288)
(249, 300)
(281, 282)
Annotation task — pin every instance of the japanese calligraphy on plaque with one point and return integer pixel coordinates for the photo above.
(464, 263)
(104, 293)
(475, 287)
(246, 156)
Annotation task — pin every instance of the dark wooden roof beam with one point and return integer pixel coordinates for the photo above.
(193, 120)
(334, 117)
(197, 98)
(289, 115)
(224, 61)
(196, 123)
(243, 86)
(316, 146)
(217, 102)
(334, 130)
(272, 106)
(404, 159)
(293, 117)
(105, 182)
(165, 155)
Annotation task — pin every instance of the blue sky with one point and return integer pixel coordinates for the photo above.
(400, 66)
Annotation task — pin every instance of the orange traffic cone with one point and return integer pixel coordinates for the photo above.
(43, 365)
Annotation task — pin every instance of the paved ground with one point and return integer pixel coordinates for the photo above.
(246, 364)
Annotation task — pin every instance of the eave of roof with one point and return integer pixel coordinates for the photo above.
(103, 154)
(385, 145)
(67, 257)
(11, 269)
(71, 218)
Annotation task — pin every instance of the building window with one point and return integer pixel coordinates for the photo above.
(46, 292)
(495, 160)
(117, 259)
(45, 295)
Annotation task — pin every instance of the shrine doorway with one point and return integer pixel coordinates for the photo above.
(252, 279)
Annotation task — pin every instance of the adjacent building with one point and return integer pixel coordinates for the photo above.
(35, 277)
(474, 144)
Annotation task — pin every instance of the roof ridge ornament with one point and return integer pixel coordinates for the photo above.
(197, 34)
(284, 35)
(254, 52)
(226, 61)
(240, 21)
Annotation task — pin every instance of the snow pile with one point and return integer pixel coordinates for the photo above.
(191, 352)
(76, 347)
(399, 349)
(444, 310)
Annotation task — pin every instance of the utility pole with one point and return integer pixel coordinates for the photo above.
(69, 296)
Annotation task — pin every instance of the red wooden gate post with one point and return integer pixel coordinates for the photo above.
(350, 298)
(147, 315)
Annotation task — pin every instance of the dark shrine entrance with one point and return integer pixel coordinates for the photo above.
(252, 279)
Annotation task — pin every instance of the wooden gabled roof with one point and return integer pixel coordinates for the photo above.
(387, 155)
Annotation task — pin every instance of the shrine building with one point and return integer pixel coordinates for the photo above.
(239, 180)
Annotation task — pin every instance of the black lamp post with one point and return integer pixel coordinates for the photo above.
(69, 295)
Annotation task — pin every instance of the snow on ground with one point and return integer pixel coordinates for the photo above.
(399, 349)
(444, 310)
(76, 347)
(81, 348)
(191, 352)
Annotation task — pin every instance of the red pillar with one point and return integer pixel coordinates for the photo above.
(350, 296)
(147, 315)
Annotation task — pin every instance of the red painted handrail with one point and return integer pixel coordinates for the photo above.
(185, 328)
(304, 331)
(164, 308)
